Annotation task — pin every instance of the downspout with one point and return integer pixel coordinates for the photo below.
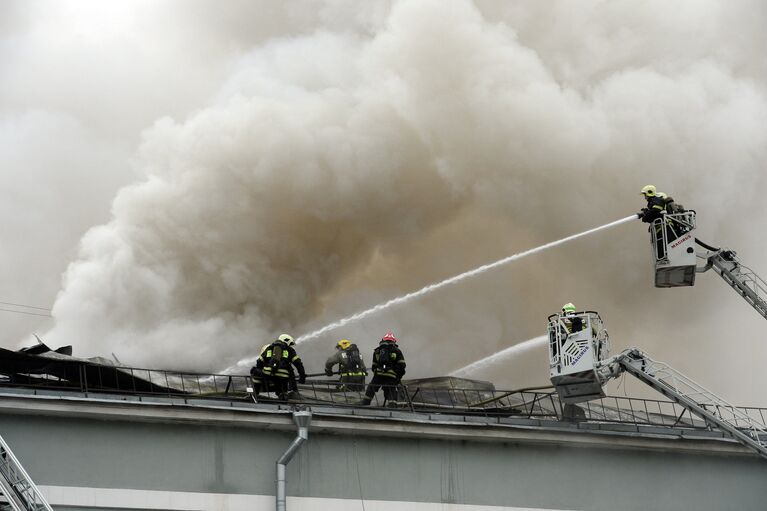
(302, 419)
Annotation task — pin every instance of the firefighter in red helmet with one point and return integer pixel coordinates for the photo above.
(388, 370)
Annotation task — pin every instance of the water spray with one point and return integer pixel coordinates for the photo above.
(438, 285)
(511, 351)
(453, 280)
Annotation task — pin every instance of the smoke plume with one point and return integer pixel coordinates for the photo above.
(360, 152)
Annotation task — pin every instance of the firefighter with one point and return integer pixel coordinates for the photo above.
(276, 363)
(572, 322)
(659, 204)
(350, 366)
(388, 370)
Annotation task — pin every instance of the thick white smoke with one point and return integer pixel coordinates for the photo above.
(368, 151)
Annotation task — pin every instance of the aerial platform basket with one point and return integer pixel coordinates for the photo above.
(673, 249)
(576, 343)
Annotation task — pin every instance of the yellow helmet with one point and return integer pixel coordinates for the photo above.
(343, 344)
(568, 308)
(648, 191)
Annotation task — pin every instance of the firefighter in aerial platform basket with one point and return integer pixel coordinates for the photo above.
(276, 363)
(568, 317)
(658, 205)
(350, 366)
(572, 322)
(388, 370)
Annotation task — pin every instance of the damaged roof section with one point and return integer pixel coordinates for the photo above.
(39, 367)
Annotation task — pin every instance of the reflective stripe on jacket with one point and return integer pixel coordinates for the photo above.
(394, 368)
(341, 357)
(284, 369)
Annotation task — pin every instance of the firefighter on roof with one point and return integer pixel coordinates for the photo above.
(388, 370)
(350, 366)
(276, 363)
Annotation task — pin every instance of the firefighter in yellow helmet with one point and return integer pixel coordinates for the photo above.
(351, 367)
(572, 322)
(658, 204)
(277, 362)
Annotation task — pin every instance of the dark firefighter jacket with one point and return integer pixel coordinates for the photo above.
(393, 365)
(655, 206)
(346, 363)
(282, 367)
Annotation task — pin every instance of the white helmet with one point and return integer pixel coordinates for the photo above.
(286, 339)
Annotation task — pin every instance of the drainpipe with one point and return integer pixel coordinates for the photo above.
(302, 418)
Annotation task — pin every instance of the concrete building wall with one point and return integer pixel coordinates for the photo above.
(95, 461)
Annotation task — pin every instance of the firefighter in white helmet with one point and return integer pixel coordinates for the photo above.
(277, 362)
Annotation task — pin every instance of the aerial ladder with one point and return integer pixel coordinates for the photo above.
(580, 366)
(676, 260)
(15, 484)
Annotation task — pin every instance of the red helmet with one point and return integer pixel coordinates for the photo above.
(389, 337)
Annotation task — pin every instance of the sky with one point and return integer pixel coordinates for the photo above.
(182, 181)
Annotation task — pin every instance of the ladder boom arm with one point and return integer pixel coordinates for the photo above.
(689, 394)
(741, 278)
(16, 485)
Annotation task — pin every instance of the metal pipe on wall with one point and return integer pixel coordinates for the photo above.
(302, 418)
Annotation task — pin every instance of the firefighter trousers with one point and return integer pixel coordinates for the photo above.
(280, 386)
(388, 383)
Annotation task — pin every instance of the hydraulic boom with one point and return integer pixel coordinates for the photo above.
(741, 278)
(714, 410)
(16, 485)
